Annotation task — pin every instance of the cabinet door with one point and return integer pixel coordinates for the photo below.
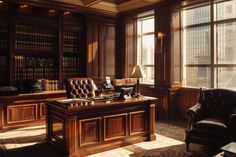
(22, 113)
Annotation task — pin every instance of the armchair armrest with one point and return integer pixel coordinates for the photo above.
(193, 114)
(232, 124)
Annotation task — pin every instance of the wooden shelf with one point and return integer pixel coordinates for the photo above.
(35, 45)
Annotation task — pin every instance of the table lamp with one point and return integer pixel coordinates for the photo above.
(138, 73)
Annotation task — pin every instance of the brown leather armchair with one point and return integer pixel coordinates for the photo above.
(212, 121)
(80, 88)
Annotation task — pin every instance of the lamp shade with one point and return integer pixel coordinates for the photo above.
(138, 72)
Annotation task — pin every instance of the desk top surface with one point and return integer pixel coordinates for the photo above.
(83, 104)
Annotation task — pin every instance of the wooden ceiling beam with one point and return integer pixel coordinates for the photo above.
(90, 2)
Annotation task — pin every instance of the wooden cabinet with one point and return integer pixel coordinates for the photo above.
(25, 109)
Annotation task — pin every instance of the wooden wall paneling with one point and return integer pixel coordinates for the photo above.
(163, 55)
(131, 46)
(95, 41)
(120, 48)
(101, 47)
(174, 103)
(110, 49)
(188, 98)
(162, 104)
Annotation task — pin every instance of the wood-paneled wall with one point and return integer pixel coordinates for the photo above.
(188, 98)
(101, 47)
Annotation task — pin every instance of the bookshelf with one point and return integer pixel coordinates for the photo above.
(4, 49)
(35, 50)
(37, 45)
(73, 51)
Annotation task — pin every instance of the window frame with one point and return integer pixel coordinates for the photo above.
(212, 24)
(140, 36)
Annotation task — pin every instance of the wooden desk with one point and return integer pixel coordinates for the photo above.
(80, 129)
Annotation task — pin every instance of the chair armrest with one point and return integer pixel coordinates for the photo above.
(193, 114)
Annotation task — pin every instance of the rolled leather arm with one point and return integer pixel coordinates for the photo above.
(232, 124)
(193, 114)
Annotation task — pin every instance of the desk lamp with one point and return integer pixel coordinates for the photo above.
(138, 73)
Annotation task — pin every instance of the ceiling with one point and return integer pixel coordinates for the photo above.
(109, 6)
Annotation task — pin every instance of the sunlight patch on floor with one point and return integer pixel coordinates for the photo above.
(33, 135)
(160, 142)
(119, 152)
(22, 137)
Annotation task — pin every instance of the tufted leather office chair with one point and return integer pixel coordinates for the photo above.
(212, 121)
(80, 88)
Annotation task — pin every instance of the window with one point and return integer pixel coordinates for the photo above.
(209, 45)
(145, 47)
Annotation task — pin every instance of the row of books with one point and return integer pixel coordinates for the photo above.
(3, 61)
(4, 29)
(72, 72)
(22, 62)
(35, 46)
(72, 28)
(39, 85)
(4, 76)
(70, 61)
(71, 49)
(35, 73)
(4, 44)
(4, 36)
(50, 85)
(71, 36)
(31, 31)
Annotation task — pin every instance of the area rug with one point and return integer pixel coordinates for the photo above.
(30, 142)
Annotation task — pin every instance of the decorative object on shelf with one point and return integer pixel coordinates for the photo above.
(138, 73)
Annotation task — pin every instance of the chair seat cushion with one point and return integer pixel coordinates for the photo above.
(211, 125)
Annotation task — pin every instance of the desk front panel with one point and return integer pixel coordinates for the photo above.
(106, 126)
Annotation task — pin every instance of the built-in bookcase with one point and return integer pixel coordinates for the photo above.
(35, 49)
(4, 49)
(73, 62)
(38, 44)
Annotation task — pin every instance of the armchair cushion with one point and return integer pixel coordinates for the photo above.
(212, 126)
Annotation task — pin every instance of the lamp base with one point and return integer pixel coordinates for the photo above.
(137, 95)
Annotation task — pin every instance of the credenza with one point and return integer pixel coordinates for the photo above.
(25, 109)
(79, 128)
